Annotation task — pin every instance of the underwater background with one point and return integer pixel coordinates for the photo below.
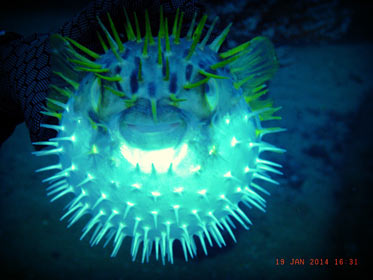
(321, 210)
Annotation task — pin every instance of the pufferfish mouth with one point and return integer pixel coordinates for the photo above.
(154, 128)
(139, 129)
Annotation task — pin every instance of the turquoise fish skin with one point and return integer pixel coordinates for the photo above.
(160, 139)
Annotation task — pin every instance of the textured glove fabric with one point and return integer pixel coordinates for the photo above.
(25, 61)
(10, 114)
(24, 83)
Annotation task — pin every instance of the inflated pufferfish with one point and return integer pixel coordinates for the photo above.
(159, 138)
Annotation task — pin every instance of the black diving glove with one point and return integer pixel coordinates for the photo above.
(25, 61)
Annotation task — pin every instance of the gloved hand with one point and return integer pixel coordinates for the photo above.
(25, 61)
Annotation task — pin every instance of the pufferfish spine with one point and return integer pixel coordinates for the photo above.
(159, 138)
